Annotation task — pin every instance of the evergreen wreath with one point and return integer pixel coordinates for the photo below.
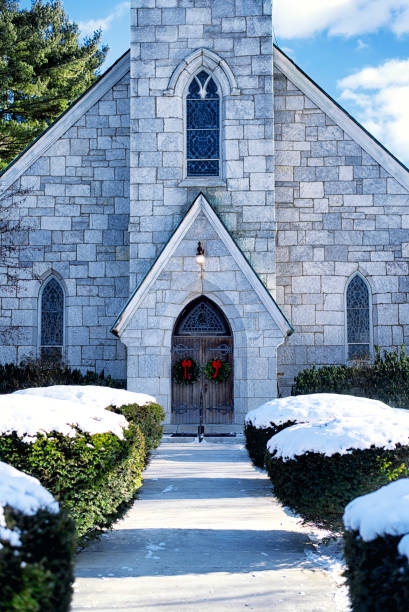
(186, 371)
(217, 370)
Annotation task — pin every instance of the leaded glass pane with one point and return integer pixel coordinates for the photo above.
(203, 126)
(203, 144)
(203, 320)
(357, 293)
(358, 324)
(358, 332)
(358, 351)
(203, 168)
(202, 114)
(52, 315)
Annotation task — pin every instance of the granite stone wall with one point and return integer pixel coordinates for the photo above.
(338, 212)
(75, 219)
(164, 33)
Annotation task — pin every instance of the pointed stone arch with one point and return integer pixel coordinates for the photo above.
(202, 58)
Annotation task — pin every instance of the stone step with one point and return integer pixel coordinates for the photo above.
(177, 439)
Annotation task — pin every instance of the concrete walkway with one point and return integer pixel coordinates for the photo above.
(204, 535)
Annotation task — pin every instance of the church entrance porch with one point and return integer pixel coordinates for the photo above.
(222, 313)
(202, 337)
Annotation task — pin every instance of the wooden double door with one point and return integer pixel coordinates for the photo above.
(212, 342)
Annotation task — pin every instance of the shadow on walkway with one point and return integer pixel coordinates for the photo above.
(171, 552)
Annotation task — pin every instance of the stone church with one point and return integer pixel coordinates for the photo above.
(206, 132)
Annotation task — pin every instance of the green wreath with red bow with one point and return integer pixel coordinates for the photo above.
(217, 370)
(186, 371)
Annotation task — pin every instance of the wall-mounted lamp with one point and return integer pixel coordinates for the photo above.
(200, 260)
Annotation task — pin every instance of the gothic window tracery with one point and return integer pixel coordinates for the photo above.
(52, 320)
(358, 318)
(202, 318)
(203, 126)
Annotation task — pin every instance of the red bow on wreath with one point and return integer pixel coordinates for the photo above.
(187, 364)
(216, 365)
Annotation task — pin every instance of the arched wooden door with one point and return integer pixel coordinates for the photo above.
(202, 333)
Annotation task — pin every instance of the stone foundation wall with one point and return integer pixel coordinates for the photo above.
(338, 211)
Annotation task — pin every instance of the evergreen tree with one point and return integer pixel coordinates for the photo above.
(44, 67)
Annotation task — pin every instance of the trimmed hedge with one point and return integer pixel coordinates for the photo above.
(90, 475)
(149, 418)
(257, 438)
(318, 487)
(377, 575)
(38, 575)
(43, 373)
(385, 380)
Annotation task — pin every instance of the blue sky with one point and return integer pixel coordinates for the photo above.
(357, 50)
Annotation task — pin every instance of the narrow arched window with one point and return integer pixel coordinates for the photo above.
(52, 321)
(358, 319)
(203, 127)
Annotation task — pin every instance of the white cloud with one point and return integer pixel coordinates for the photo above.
(300, 19)
(88, 27)
(380, 98)
(361, 45)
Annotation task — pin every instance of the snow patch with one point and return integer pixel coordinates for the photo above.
(317, 406)
(29, 415)
(342, 435)
(90, 395)
(23, 493)
(385, 511)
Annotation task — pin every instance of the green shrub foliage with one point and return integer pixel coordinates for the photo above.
(319, 487)
(377, 575)
(386, 379)
(257, 438)
(38, 575)
(90, 475)
(43, 373)
(149, 418)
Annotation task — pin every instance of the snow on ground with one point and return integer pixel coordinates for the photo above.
(301, 408)
(23, 493)
(29, 415)
(90, 395)
(342, 435)
(385, 511)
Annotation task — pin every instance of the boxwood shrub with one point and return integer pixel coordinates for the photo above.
(318, 487)
(386, 379)
(149, 417)
(43, 373)
(38, 575)
(90, 475)
(257, 438)
(377, 575)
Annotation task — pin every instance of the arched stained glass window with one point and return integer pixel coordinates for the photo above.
(358, 319)
(203, 127)
(52, 320)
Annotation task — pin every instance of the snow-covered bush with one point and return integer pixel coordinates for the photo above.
(376, 549)
(91, 459)
(149, 417)
(317, 468)
(138, 408)
(277, 414)
(36, 546)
